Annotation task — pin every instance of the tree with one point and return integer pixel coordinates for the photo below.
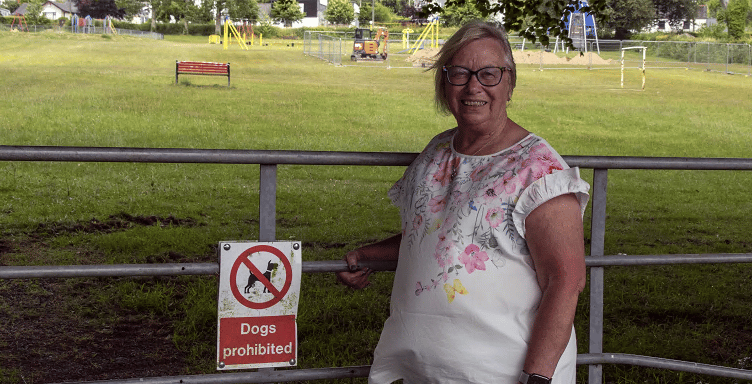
(286, 11)
(544, 16)
(676, 11)
(11, 5)
(454, 15)
(99, 9)
(339, 12)
(380, 14)
(736, 18)
(131, 7)
(626, 16)
(246, 10)
(34, 12)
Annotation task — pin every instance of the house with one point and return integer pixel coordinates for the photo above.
(4, 12)
(701, 20)
(52, 9)
(313, 9)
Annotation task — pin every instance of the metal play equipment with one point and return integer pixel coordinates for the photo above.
(431, 32)
(21, 21)
(642, 65)
(108, 27)
(580, 26)
(230, 29)
(406, 37)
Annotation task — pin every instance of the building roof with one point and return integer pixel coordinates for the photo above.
(68, 6)
(21, 10)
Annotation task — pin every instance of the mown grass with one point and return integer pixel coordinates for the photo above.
(62, 89)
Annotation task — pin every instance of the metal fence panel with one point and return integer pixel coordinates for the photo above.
(269, 161)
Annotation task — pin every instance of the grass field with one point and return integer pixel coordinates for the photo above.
(69, 90)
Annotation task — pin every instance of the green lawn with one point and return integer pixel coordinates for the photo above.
(72, 90)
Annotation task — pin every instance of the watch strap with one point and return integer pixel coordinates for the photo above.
(533, 378)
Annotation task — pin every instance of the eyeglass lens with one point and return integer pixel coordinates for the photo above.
(489, 76)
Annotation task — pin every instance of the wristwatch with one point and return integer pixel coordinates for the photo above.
(533, 378)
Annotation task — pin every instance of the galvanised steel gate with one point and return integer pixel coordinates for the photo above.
(268, 161)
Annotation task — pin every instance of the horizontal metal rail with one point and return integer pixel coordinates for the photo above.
(657, 362)
(226, 156)
(362, 371)
(262, 376)
(327, 266)
(268, 161)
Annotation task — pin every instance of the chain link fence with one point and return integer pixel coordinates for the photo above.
(326, 46)
(716, 57)
(81, 29)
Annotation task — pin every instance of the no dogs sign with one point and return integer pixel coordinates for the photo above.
(259, 288)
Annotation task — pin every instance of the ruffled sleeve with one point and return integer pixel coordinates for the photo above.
(546, 188)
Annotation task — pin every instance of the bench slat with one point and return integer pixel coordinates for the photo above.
(202, 68)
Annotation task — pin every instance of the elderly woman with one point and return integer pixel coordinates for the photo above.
(491, 254)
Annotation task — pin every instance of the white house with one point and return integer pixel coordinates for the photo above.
(701, 20)
(313, 9)
(52, 9)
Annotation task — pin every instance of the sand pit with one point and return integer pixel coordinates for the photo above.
(425, 57)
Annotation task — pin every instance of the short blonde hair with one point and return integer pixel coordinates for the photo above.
(468, 33)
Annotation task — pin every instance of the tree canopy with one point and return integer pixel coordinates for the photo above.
(286, 11)
(537, 20)
(625, 16)
(99, 9)
(339, 12)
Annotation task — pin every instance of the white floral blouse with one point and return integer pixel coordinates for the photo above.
(465, 292)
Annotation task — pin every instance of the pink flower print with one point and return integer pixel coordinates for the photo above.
(473, 258)
(438, 203)
(506, 184)
(481, 172)
(535, 168)
(446, 171)
(443, 255)
(417, 222)
(494, 217)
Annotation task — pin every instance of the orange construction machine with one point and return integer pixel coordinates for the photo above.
(367, 47)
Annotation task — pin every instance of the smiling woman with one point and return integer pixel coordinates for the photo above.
(491, 213)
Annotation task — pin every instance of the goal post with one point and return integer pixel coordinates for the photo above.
(642, 64)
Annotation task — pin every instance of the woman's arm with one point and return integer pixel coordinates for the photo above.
(357, 278)
(555, 238)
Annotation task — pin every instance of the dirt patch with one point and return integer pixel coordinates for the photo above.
(426, 57)
(118, 222)
(47, 337)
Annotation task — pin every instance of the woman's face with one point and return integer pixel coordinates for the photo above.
(474, 105)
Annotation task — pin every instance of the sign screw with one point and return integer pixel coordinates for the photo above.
(292, 361)
(221, 364)
(296, 246)
(226, 247)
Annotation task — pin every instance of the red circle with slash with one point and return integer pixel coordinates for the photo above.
(243, 259)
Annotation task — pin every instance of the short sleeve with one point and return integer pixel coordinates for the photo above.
(546, 188)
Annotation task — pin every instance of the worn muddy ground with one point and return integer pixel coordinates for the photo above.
(56, 330)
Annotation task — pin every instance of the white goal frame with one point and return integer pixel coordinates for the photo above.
(641, 68)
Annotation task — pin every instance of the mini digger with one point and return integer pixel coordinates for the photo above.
(366, 47)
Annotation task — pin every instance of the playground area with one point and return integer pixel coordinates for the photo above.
(59, 213)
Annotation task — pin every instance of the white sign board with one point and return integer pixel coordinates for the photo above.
(259, 288)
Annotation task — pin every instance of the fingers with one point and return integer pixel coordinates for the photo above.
(357, 277)
(355, 280)
(352, 259)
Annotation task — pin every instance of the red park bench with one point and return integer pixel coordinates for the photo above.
(202, 68)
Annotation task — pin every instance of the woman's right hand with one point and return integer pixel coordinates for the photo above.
(356, 277)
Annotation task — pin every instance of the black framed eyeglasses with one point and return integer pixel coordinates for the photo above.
(488, 76)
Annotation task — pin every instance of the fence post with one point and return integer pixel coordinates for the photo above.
(268, 202)
(597, 245)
